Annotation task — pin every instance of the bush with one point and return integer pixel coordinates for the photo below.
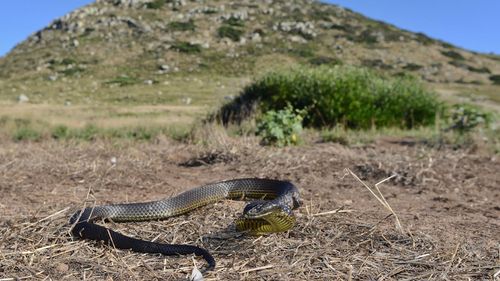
(465, 117)
(354, 97)
(72, 71)
(230, 32)
(186, 47)
(156, 4)
(182, 26)
(495, 79)
(235, 22)
(452, 54)
(281, 128)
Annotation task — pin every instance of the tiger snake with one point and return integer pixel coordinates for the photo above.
(270, 212)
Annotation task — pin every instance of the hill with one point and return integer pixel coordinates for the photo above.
(145, 39)
(171, 53)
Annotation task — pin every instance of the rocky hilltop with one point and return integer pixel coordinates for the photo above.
(144, 38)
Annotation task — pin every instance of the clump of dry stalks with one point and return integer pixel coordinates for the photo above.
(379, 196)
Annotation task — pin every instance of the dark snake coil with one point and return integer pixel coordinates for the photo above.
(271, 212)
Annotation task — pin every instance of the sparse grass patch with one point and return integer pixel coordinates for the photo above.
(26, 133)
(92, 132)
(88, 133)
(124, 81)
(60, 132)
(349, 137)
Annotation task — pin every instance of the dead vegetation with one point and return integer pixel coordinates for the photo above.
(449, 217)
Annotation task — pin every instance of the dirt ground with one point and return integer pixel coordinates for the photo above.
(447, 201)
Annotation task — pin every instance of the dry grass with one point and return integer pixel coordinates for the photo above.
(341, 232)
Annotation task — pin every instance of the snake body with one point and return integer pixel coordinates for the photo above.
(272, 212)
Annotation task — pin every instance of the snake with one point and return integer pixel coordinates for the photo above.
(269, 212)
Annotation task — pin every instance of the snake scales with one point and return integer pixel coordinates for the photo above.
(271, 212)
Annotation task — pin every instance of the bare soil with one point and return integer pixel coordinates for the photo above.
(447, 201)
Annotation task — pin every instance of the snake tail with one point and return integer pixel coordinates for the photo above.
(99, 233)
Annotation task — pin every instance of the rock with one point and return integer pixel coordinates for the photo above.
(62, 267)
(297, 39)
(304, 29)
(22, 98)
(256, 37)
(148, 82)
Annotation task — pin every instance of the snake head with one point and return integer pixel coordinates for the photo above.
(263, 217)
(260, 208)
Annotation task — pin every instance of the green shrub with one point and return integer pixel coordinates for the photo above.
(68, 61)
(235, 22)
(26, 133)
(412, 67)
(281, 128)
(495, 79)
(88, 133)
(465, 117)
(483, 69)
(186, 47)
(156, 4)
(424, 39)
(72, 71)
(354, 97)
(136, 133)
(60, 132)
(452, 54)
(182, 26)
(230, 32)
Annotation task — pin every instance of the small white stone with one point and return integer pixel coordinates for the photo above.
(22, 98)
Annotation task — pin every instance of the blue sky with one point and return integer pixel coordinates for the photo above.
(471, 24)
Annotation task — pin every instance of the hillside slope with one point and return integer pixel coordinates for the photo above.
(146, 39)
